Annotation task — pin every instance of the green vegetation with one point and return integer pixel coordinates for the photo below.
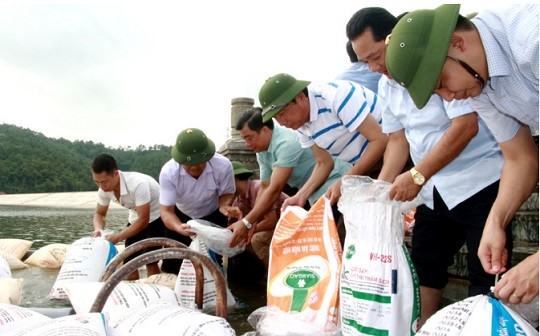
(32, 163)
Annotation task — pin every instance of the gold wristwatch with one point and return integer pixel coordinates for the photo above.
(417, 177)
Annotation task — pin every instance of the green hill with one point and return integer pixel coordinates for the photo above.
(30, 162)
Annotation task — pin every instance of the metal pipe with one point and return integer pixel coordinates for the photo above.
(140, 245)
(166, 253)
(154, 242)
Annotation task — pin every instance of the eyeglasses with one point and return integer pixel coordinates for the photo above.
(470, 70)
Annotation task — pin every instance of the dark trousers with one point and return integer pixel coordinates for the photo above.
(154, 229)
(440, 233)
(173, 265)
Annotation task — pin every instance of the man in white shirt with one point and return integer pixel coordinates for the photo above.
(493, 60)
(134, 191)
(197, 183)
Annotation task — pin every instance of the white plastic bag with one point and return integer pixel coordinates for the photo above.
(479, 315)
(215, 237)
(185, 283)
(379, 288)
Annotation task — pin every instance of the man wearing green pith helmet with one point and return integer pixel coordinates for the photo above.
(197, 183)
(492, 59)
(336, 119)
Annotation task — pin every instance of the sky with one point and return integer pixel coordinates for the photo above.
(135, 73)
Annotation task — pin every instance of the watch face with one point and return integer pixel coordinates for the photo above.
(419, 179)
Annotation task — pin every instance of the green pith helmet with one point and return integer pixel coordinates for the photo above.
(240, 169)
(277, 92)
(417, 50)
(192, 147)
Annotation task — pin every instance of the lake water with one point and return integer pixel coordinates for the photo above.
(45, 226)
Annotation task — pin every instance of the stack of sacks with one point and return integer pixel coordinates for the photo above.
(49, 256)
(140, 309)
(19, 321)
(10, 289)
(13, 250)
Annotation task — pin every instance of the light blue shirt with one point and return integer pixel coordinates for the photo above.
(360, 73)
(510, 98)
(285, 151)
(337, 109)
(475, 168)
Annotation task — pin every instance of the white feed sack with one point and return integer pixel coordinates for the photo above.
(479, 315)
(126, 298)
(73, 325)
(379, 287)
(13, 318)
(49, 256)
(167, 319)
(85, 261)
(186, 280)
(5, 269)
(16, 247)
(11, 291)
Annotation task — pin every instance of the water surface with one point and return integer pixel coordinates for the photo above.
(45, 226)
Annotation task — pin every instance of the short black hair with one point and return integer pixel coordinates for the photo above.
(253, 118)
(104, 163)
(351, 53)
(378, 19)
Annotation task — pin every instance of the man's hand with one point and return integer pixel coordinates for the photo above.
(520, 283)
(491, 251)
(241, 234)
(403, 189)
(232, 212)
(183, 229)
(334, 192)
(96, 233)
(114, 238)
(291, 201)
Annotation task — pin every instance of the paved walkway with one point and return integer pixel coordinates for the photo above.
(79, 200)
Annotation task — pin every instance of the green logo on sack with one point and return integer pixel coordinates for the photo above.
(351, 250)
(302, 279)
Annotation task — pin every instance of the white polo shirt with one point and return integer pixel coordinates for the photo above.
(136, 189)
(196, 197)
(337, 108)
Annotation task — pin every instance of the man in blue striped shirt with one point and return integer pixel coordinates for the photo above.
(341, 118)
(492, 59)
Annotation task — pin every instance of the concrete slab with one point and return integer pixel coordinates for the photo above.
(78, 200)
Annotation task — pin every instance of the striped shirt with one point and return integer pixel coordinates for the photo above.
(337, 109)
(510, 39)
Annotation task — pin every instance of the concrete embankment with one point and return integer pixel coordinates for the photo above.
(77, 200)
